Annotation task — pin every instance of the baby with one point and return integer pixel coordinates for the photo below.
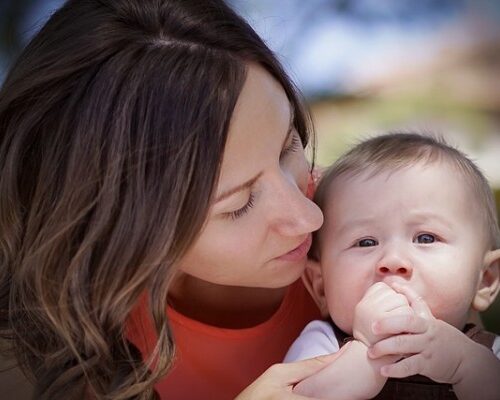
(408, 254)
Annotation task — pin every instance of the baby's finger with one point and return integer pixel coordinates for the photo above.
(403, 310)
(378, 287)
(412, 365)
(398, 305)
(384, 298)
(417, 302)
(398, 344)
(395, 324)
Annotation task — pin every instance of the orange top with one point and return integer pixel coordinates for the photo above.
(218, 363)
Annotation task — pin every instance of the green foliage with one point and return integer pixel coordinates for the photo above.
(491, 317)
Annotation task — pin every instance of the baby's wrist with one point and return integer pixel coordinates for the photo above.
(367, 340)
(478, 373)
(354, 341)
(368, 369)
(469, 362)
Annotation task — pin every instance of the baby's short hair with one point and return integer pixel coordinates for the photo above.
(394, 151)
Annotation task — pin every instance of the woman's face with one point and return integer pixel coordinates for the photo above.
(258, 229)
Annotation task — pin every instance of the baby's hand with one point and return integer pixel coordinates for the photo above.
(379, 302)
(430, 347)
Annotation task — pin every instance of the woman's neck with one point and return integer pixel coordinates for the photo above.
(232, 307)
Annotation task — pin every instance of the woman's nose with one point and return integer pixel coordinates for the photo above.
(294, 213)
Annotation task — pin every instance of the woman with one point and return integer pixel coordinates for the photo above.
(152, 158)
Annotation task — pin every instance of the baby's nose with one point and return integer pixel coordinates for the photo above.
(394, 269)
(394, 264)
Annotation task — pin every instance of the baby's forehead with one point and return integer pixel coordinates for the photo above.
(363, 175)
(389, 167)
(415, 191)
(440, 176)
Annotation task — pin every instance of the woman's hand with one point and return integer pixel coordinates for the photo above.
(351, 376)
(277, 381)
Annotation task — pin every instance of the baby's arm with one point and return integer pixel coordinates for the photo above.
(479, 373)
(437, 350)
(351, 376)
(348, 377)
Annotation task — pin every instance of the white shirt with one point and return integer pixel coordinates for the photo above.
(318, 338)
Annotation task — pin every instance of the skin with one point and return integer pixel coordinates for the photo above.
(232, 276)
(236, 273)
(435, 349)
(279, 380)
(390, 244)
(403, 227)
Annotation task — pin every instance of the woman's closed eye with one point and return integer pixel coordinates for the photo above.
(292, 145)
(243, 210)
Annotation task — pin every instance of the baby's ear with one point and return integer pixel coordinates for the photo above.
(313, 281)
(489, 281)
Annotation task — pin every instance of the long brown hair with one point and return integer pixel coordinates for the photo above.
(113, 123)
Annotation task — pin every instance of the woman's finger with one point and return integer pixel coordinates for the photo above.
(278, 380)
(292, 373)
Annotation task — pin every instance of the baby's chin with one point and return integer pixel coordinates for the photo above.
(344, 326)
(460, 323)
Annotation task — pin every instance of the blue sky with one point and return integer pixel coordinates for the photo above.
(329, 46)
(328, 49)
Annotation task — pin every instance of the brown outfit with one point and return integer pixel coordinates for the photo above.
(418, 387)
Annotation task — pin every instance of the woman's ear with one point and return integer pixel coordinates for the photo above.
(489, 281)
(313, 281)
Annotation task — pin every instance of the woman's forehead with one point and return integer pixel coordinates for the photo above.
(259, 125)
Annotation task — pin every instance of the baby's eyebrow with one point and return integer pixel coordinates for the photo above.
(239, 188)
(355, 224)
(430, 216)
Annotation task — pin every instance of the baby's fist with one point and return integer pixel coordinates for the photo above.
(379, 301)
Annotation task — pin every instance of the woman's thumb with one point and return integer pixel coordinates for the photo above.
(297, 371)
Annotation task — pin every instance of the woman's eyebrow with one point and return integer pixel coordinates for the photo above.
(239, 188)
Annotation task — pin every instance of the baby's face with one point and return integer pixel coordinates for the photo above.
(417, 226)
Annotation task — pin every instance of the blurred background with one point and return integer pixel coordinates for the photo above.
(366, 67)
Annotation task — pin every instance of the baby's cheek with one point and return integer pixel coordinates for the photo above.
(451, 308)
(342, 312)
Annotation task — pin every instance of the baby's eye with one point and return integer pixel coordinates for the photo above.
(367, 243)
(425, 238)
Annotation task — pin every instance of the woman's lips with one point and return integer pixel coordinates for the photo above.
(299, 252)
